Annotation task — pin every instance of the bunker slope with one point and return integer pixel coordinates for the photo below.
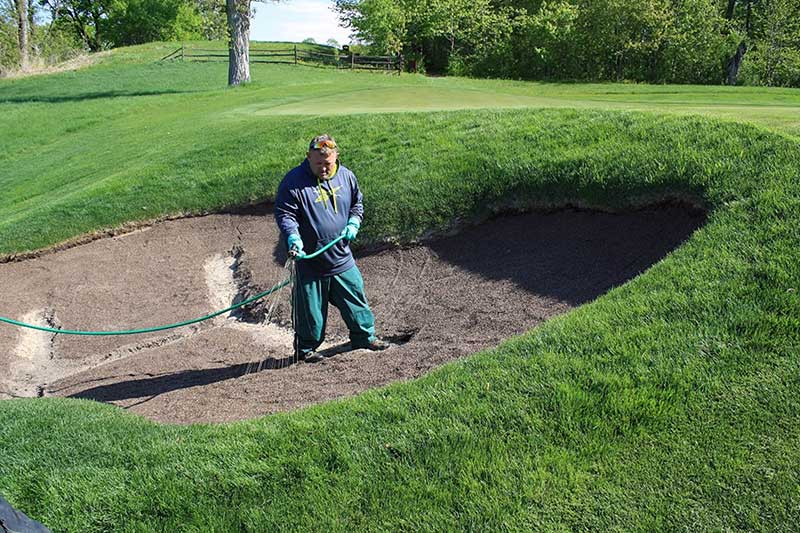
(434, 302)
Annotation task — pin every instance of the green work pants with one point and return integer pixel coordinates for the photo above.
(310, 299)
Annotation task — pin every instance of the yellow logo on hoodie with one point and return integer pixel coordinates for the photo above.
(324, 196)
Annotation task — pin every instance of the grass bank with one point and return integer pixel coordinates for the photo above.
(669, 403)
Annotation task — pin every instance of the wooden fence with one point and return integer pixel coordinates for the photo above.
(294, 56)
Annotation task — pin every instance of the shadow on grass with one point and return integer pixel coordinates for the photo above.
(55, 99)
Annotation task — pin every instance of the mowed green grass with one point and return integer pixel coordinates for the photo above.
(669, 403)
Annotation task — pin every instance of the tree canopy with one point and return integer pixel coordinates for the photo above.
(109, 23)
(660, 41)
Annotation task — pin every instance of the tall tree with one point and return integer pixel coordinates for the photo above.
(781, 42)
(381, 23)
(773, 57)
(739, 13)
(429, 33)
(238, 12)
(23, 25)
(104, 23)
(86, 17)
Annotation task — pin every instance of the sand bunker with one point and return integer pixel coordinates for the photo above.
(435, 303)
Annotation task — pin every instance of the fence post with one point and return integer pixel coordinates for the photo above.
(352, 60)
(295, 54)
(181, 51)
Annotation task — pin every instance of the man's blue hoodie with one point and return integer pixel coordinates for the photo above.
(306, 205)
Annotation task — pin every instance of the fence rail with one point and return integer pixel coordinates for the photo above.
(293, 56)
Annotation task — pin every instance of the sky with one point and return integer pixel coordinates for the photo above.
(295, 20)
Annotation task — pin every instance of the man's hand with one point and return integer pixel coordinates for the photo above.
(295, 245)
(351, 229)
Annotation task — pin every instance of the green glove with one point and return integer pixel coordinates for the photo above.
(351, 229)
(295, 246)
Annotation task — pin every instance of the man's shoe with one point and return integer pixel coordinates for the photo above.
(375, 345)
(313, 357)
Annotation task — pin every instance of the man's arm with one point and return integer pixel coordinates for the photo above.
(356, 214)
(357, 201)
(287, 210)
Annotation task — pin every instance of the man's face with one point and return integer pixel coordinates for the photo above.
(322, 165)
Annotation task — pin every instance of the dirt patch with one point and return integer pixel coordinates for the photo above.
(435, 302)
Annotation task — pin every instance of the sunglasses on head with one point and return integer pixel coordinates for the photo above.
(323, 144)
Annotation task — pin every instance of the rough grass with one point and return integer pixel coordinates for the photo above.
(669, 403)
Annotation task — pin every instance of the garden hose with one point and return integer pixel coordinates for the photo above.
(179, 324)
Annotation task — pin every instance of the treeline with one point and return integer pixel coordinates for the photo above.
(37, 33)
(659, 41)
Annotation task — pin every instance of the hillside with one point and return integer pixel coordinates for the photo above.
(667, 402)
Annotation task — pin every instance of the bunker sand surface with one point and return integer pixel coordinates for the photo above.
(434, 302)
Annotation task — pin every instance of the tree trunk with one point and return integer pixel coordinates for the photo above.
(732, 68)
(734, 63)
(729, 9)
(24, 31)
(238, 41)
(748, 18)
(96, 43)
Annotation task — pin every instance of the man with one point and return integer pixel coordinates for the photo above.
(317, 202)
